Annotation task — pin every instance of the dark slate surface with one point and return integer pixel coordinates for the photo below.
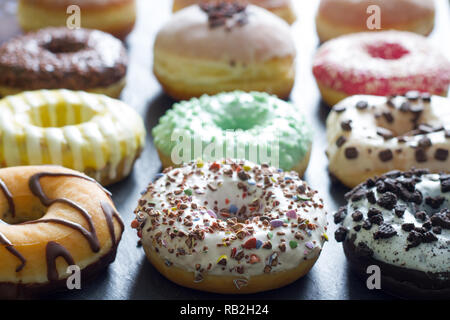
(131, 276)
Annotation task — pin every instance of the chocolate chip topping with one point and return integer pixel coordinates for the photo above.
(55, 58)
(340, 234)
(220, 14)
(340, 215)
(346, 125)
(340, 141)
(421, 155)
(361, 105)
(441, 154)
(388, 116)
(375, 216)
(441, 219)
(385, 155)
(435, 202)
(399, 210)
(351, 153)
(424, 142)
(387, 200)
(385, 231)
(357, 216)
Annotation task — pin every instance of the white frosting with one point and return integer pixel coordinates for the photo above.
(306, 242)
(363, 136)
(427, 257)
(75, 129)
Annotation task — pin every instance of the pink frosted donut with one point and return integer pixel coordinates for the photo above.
(382, 63)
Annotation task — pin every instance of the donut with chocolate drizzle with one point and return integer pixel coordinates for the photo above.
(91, 216)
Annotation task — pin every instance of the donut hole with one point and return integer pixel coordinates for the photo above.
(60, 46)
(387, 51)
(60, 115)
(27, 208)
(239, 115)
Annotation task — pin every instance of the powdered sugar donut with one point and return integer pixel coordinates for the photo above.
(231, 226)
(400, 222)
(370, 135)
(379, 63)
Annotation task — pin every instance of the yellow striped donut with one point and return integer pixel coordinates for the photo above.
(91, 133)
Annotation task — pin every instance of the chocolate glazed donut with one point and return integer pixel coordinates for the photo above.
(54, 58)
(53, 249)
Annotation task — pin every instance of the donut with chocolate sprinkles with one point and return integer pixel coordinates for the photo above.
(395, 132)
(406, 232)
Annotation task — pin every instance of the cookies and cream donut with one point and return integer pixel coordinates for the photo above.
(370, 135)
(113, 16)
(210, 48)
(231, 226)
(400, 222)
(56, 58)
(254, 126)
(91, 133)
(282, 8)
(52, 218)
(379, 63)
(338, 17)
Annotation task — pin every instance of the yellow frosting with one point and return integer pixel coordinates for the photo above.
(74, 129)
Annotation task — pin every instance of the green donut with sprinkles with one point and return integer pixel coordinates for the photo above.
(254, 126)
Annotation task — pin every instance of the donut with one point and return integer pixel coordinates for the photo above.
(370, 135)
(400, 222)
(91, 133)
(55, 58)
(257, 126)
(211, 48)
(116, 17)
(381, 63)
(231, 226)
(338, 17)
(52, 218)
(282, 8)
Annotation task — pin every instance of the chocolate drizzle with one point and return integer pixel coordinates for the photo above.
(9, 198)
(53, 251)
(3, 239)
(13, 251)
(36, 189)
(109, 213)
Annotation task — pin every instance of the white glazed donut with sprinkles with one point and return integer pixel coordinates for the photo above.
(231, 226)
(370, 135)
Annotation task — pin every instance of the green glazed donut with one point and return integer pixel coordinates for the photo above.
(254, 126)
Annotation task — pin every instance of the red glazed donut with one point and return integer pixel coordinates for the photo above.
(382, 63)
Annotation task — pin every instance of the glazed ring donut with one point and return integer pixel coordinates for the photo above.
(282, 8)
(400, 222)
(56, 58)
(91, 133)
(208, 49)
(52, 217)
(338, 17)
(248, 121)
(382, 63)
(231, 226)
(113, 16)
(369, 135)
